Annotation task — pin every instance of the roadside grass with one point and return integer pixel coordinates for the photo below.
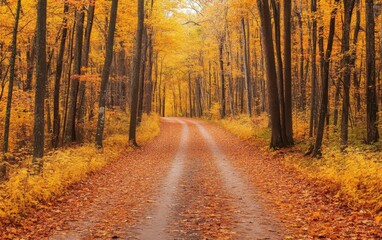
(353, 176)
(64, 167)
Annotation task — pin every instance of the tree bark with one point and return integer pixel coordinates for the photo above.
(136, 73)
(41, 78)
(106, 73)
(142, 77)
(57, 84)
(11, 79)
(31, 56)
(273, 98)
(279, 67)
(222, 79)
(247, 69)
(325, 61)
(313, 102)
(288, 72)
(346, 61)
(75, 78)
(371, 90)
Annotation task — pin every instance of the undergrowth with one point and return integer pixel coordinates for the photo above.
(67, 166)
(354, 176)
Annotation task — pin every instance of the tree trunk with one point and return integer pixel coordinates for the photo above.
(149, 86)
(106, 73)
(75, 78)
(325, 61)
(346, 61)
(313, 102)
(288, 72)
(142, 77)
(41, 77)
(371, 90)
(190, 94)
(31, 56)
(357, 94)
(57, 84)
(136, 73)
(11, 81)
(84, 66)
(302, 103)
(273, 98)
(279, 68)
(247, 69)
(222, 79)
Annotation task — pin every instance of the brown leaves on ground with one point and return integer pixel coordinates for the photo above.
(114, 201)
(307, 208)
(106, 203)
(204, 210)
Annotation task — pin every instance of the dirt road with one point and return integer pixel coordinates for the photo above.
(194, 181)
(180, 186)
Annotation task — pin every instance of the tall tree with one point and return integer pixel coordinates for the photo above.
(313, 102)
(72, 111)
(247, 68)
(325, 62)
(288, 72)
(106, 73)
(222, 77)
(41, 78)
(273, 98)
(346, 61)
(136, 75)
(279, 66)
(57, 82)
(371, 90)
(11, 78)
(84, 65)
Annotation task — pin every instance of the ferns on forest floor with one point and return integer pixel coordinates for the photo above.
(67, 166)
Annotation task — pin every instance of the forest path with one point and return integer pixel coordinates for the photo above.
(203, 197)
(180, 186)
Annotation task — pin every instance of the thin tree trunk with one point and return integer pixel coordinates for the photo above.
(222, 79)
(247, 69)
(302, 104)
(106, 73)
(57, 84)
(371, 90)
(142, 75)
(67, 90)
(11, 81)
(325, 61)
(149, 86)
(75, 78)
(346, 61)
(136, 73)
(41, 78)
(313, 102)
(357, 94)
(31, 56)
(84, 66)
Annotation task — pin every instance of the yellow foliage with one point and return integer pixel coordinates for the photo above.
(65, 167)
(149, 128)
(246, 128)
(354, 176)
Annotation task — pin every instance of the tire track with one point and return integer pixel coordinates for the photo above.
(155, 227)
(253, 222)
